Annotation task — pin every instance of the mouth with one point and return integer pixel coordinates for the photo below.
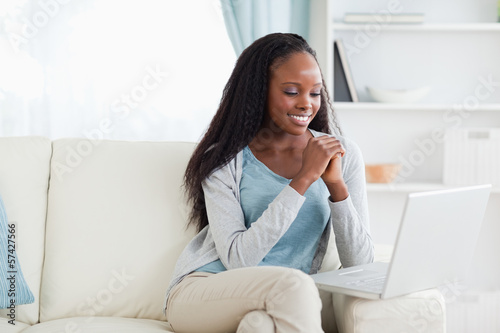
(300, 118)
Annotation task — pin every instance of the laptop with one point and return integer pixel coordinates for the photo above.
(435, 245)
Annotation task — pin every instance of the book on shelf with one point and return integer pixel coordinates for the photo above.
(343, 84)
(408, 18)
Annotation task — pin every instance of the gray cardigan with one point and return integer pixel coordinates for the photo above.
(226, 237)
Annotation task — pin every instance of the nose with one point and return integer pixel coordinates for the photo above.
(304, 103)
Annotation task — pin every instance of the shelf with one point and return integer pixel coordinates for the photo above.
(412, 187)
(442, 27)
(365, 106)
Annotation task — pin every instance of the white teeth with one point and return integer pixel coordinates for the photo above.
(299, 118)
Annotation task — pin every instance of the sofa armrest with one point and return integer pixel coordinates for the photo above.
(422, 311)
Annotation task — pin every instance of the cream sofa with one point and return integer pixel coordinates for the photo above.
(99, 227)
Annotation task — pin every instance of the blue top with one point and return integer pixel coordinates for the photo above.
(296, 248)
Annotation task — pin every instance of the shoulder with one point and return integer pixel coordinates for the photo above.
(229, 173)
(230, 167)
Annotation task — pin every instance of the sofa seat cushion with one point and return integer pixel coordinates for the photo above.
(101, 325)
(5, 327)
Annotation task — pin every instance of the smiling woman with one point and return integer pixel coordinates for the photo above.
(67, 67)
(269, 182)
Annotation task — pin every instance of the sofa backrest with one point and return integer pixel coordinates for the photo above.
(116, 223)
(24, 175)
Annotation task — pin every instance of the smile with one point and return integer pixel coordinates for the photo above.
(300, 118)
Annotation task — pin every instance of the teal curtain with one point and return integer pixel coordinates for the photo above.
(248, 20)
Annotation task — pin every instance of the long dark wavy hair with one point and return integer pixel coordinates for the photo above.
(241, 113)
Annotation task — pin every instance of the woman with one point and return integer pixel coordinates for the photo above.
(268, 185)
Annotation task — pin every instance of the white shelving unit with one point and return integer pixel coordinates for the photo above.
(455, 52)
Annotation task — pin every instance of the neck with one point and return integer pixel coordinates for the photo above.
(267, 139)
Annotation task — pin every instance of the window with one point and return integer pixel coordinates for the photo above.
(128, 70)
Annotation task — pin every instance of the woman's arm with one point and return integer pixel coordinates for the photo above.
(350, 216)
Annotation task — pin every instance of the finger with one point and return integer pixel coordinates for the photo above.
(335, 147)
(331, 145)
(326, 138)
(326, 141)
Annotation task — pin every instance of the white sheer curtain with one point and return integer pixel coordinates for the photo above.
(130, 70)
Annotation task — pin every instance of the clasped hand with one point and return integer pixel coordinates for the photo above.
(321, 158)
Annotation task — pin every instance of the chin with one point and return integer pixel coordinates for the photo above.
(298, 131)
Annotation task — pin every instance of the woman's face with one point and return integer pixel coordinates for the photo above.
(294, 94)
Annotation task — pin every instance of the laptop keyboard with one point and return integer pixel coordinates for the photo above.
(373, 284)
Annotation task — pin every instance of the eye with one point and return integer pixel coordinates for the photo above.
(290, 93)
(315, 94)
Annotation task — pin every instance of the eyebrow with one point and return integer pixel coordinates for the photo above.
(298, 84)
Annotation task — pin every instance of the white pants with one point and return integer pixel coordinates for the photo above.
(255, 299)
